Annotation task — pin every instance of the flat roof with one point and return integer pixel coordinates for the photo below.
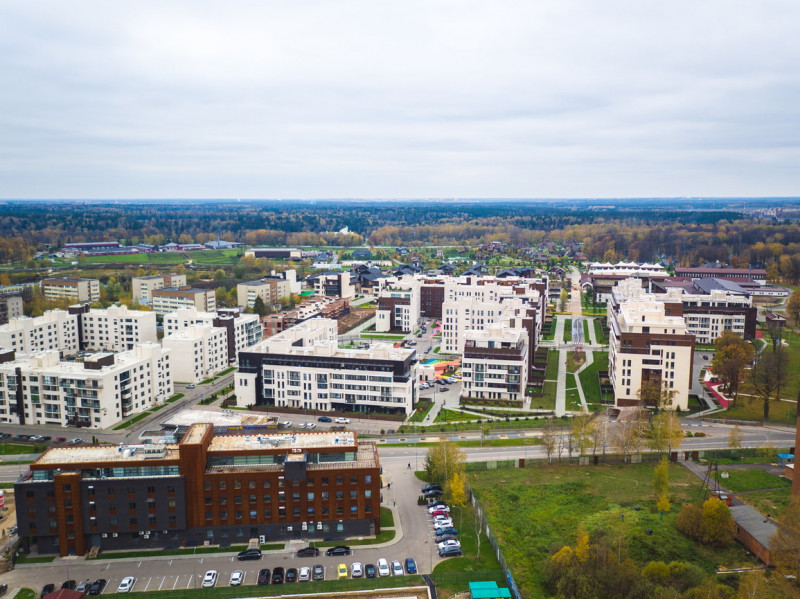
(283, 440)
(103, 453)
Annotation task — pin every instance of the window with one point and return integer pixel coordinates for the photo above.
(353, 494)
(267, 498)
(310, 496)
(339, 480)
(251, 484)
(339, 494)
(368, 479)
(324, 495)
(222, 485)
(368, 493)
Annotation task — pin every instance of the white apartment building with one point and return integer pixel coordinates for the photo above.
(243, 330)
(334, 284)
(304, 368)
(54, 330)
(647, 345)
(99, 392)
(170, 299)
(399, 307)
(271, 290)
(495, 363)
(75, 289)
(116, 328)
(144, 286)
(473, 305)
(198, 352)
(11, 306)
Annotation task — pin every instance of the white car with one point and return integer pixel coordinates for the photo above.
(357, 571)
(287, 423)
(443, 523)
(237, 578)
(305, 574)
(439, 507)
(302, 425)
(126, 585)
(311, 425)
(343, 420)
(210, 579)
(397, 568)
(439, 517)
(449, 543)
(383, 568)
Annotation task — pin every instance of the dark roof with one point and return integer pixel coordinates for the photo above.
(754, 523)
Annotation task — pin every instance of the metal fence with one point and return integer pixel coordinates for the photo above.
(485, 528)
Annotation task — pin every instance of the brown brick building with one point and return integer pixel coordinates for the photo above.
(219, 488)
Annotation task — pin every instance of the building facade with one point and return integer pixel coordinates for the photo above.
(171, 299)
(99, 392)
(56, 330)
(241, 330)
(495, 364)
(198, 352)
(271, 290)
(11, 307)
(75, 289)
(304, 368)
(143, 287)
(114, 329)
(208, 488)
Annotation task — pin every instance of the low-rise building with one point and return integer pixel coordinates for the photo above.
(325, 307)
(55, 330)
(208, 488)
(171, 299)
(304, 368)
(144, 286)
(99, 392)
(75, 289)
(334, 284)
(272, 290)
(398, 307)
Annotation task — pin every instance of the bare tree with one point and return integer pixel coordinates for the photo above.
(549, 439)
(768, 376)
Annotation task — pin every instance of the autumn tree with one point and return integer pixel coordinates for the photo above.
(711, 524)
(768, 376)
(549, 439)
(735, 437)
(563, 297)
(581, 429)
(442, 460)
(793, 306)
(259, 307)
(665, 432)
(654, 393)
(732, 355)
(661, 484)
(786, 542)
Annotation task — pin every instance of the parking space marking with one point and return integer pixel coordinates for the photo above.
(148, 583)
(188, 584)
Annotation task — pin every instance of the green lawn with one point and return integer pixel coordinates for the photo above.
(589, 382)
(424, 406)
(567, 329)
(750, 480)
(20, 449)
(470, 562)
(387, 518)
(535, 511)
(773, 503)
(601, 337)
(215, 256)
(586, 337)
(551, 371)
(547, 401)
(183, 551)
(752, 408)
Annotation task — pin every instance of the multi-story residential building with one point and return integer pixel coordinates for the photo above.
(276, 253)
(271, 290)
(208, 488)
(242, 330)
(398, 307)
(758, 275)
(144, 286)
(646, 346)
(102, 390)
(75, 289)
(198, 352)
(707, 309)
(334, 284)
(304, 368)
(55, 330)
(11, 307)
(495, 363)
(170, 299)
(114, 329)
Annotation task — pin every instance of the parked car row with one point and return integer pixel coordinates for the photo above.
(446, 535)
(39, 439)
(87, 587)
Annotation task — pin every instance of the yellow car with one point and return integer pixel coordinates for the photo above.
(342, 571)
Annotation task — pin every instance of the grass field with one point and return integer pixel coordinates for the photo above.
(551, 371)
(600, 336)
(567, 329)
(535, 511)
(750, 480)
(773, 503)
(589, 381)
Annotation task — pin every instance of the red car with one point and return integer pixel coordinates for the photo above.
(440, 513)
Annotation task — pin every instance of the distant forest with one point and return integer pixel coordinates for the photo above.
(688, 232)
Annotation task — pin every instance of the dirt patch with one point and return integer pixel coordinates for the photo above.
(353, 319)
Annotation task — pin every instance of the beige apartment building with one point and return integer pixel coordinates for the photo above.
(75, 289)
(170, 299)
(143, 287)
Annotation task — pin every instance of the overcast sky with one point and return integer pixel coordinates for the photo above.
(299, 99)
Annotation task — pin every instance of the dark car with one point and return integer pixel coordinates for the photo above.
(338, 550)
(324, 419)
(97, 586)
(308, 552)
(446, 531)
(450, 552)
(69, 585)
(249, 554)
(318, 572)
(277, 575)
(263, 576)
(447, 537)
(369, 570)
(47, 589)
(411, 565)
(433, 493)
(291, 575)
(431, 487)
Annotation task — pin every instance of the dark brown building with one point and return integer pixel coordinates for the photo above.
(209, 487)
